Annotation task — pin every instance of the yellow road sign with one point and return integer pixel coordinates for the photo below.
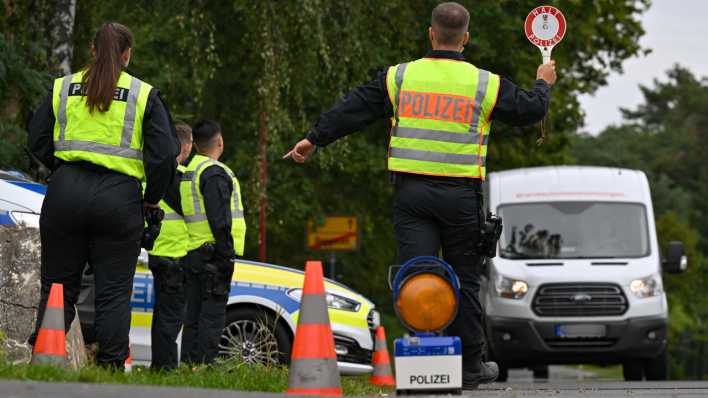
(337, 233)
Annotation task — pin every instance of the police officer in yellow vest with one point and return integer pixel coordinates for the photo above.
(101, 131)
(441, 108)
(213, 213)
(165, 262)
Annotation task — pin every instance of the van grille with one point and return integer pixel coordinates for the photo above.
(579, 299)
(580, 342)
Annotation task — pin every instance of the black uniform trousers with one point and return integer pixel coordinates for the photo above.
(95, 215)
(431, 214)
(205, 311)
(168, 313)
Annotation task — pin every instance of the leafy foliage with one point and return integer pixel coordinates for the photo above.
(666, 137)
(289, 60)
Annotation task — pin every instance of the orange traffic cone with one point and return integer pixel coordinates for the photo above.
(50, 346)
(313, 365)
(128, 365)
(382, 375)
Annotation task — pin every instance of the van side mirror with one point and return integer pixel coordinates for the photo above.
(675, 261)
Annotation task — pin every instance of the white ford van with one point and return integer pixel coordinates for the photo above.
(577, 276)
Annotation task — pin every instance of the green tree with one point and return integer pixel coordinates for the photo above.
(286, 61)
(666, 138)
(25, 68)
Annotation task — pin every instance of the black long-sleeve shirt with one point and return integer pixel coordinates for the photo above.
(216, 187)
(173, 198)
(160, 146)
(370, 102)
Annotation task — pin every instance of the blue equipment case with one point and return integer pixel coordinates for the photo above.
(427, 362)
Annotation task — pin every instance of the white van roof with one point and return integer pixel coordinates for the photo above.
(568, 183)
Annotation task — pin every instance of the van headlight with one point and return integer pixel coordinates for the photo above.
(647, 287)
(510, 288)
(334, 301)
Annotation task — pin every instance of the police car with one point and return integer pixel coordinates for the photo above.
(20, 199)
(262, 310)
(261, 317)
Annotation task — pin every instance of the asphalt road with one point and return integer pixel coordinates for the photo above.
(31, 389)
(594, 389)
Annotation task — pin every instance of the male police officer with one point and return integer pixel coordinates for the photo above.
(441, 109)
(165, 262)
(211, 202)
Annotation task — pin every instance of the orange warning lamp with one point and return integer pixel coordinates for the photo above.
(426, 300)
(426, 303)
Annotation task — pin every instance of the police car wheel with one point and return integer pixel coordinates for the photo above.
(255, 337)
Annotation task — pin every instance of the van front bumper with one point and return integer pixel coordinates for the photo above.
(523, 342)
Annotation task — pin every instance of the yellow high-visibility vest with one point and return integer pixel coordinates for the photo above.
(441, 120)
(112, 139)
(174, 237)
(195, 213)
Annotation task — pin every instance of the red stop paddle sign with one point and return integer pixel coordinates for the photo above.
(545, 27)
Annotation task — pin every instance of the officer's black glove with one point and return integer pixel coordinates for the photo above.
(153, 221)
(219, 272)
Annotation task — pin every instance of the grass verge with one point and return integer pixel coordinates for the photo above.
(224, 376)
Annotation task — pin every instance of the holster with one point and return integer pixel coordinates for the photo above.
(217, 272)
(490, 234)
(171, 274)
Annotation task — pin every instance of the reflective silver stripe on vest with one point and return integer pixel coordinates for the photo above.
(482, 84)
(237, 213)
(479, 99)
(95, 147)
(195, 218)
(399, 83)
(124, 150)
(129, 118)
(436, 135)
(198, 214)
(439, 157)
(195, 194)
(172, 217)
(63, 98)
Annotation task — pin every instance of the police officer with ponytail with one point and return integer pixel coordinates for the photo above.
(101, 131)
(441, 109)
(213, 212)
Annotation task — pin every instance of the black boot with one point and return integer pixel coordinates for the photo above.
(487, 373)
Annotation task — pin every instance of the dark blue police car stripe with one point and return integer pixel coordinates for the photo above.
(31, 186)
(5, 218)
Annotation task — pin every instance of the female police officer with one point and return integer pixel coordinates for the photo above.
(101, 131)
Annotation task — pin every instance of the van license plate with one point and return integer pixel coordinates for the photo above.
(580, 330)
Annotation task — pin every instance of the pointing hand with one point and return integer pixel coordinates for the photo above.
(301, 151)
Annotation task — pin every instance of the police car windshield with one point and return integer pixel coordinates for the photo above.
(574, 230)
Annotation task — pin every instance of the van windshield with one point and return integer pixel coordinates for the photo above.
(574, 230)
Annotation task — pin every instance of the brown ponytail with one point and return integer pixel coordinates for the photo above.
(101, 76)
